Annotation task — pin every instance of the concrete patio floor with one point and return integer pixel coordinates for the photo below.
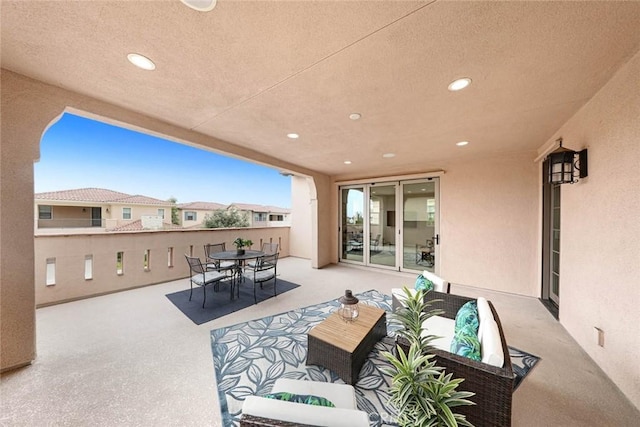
(133, 359)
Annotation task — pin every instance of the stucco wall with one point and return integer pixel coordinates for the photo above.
(489, 229)
(300, 235)
(600, 230)
(70, 250)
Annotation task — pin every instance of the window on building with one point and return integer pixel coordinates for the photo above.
(259, 216)
(161, 213)
(276, 217)
(126, 213)
(45, 212)
(190, 216)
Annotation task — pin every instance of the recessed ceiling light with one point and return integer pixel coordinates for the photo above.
(293, 135)
(200, 5)
(459, 84)
(388, 155)
(462, 143)
(423, 189)
(355, 116)
(347, 162)
(141, 61)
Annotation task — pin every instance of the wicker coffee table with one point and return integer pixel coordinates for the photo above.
(343, 346)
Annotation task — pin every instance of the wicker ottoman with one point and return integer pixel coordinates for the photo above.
(343, 346)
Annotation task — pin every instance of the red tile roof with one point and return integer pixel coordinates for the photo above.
(137, 226)
(201, 206)
(258, 208)
(99, 195)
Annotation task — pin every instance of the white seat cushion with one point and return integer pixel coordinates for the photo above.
(209, 277)
(441, 327)
(400, 295)
(341, 395)
(491, 345)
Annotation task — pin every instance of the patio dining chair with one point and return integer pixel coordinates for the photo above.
(264, 270)
(199, 276)
(228, 267)
(268, 249)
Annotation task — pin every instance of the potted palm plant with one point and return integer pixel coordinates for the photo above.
(422, 392)
(241, 243)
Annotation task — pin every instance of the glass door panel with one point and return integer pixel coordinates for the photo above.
(352, 223)
(554, 293)
(419, 225)
(382, 225)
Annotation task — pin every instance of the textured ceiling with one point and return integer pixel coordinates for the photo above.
(251, 72)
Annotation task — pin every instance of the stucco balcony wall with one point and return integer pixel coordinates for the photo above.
(70, 252)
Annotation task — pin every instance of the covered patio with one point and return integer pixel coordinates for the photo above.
(363, 87)
(132, 358)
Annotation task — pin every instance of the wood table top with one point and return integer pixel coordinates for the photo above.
(347, 335)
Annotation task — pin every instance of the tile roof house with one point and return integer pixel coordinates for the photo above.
(98, 208)
(193, 214)
(264, 216)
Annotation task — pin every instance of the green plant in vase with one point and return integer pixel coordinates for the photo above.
(241, 243)
(421, 391)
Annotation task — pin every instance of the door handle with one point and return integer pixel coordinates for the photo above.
(436, 239)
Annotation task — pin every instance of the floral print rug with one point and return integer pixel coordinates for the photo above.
(250, 356)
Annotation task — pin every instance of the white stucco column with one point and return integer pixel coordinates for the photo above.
(23, 122)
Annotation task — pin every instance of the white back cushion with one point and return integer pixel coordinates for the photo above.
(341, 395)
(439, 284)
(484, 313)
(301, 413)
(491, 345)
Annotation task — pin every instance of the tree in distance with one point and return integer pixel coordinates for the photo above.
(222, 218)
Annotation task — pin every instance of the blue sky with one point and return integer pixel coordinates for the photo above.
(77, 152)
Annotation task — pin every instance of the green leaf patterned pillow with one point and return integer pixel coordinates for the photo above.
(465, 343)
(300, 398)
(468, 316)
(423, 284)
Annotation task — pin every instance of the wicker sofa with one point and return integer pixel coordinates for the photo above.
(493, 386)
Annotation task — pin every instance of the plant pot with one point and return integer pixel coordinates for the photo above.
(240, 251)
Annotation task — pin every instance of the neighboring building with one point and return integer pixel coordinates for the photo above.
(99, 208)
(193, 214)
(264, 216)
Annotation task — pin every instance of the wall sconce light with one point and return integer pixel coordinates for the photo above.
(84, 209)
(564, 163)
(107, 210)
(348, 307)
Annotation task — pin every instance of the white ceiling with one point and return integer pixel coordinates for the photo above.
(249, 72)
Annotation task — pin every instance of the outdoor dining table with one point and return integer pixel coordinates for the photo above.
(240, 258)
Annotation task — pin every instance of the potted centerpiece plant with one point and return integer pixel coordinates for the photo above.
(422, 393)
(241, 243)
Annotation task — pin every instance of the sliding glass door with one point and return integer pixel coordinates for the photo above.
(420, 238)
(391, 225)
(352, 223)
(382, 225)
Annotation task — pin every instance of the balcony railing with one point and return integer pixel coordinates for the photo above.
(74, 266)
(71, 223)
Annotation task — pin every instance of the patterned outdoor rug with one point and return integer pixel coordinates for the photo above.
(249, 357)
(219, 303)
